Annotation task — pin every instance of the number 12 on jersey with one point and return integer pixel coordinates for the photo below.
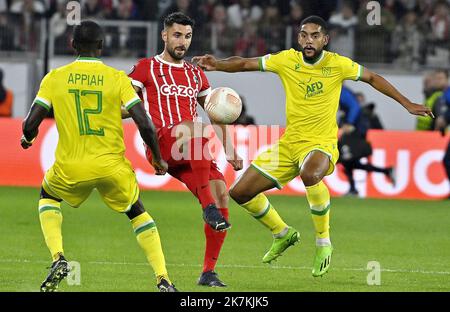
(82, 114)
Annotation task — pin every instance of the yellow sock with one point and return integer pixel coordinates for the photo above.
(261, 209)
(51, 221)
(148, 238)
(319, 202)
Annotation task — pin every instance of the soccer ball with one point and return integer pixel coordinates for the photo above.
(223, 105)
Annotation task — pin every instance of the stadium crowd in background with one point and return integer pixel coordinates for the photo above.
(6, 99)
(411, 33)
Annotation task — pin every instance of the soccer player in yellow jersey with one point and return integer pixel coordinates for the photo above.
(87, 96)
(312, 79)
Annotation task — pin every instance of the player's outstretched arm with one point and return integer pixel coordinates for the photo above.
(30, 125)
(148, 134)
(231, 65)
(382, 85)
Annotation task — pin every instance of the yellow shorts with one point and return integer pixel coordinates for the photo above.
(281, 163)
(119, 191)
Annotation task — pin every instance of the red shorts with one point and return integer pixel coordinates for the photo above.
(179, 169)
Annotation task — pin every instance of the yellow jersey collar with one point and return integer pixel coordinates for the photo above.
(88, 59)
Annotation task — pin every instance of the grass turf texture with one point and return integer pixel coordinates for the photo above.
(410, 240)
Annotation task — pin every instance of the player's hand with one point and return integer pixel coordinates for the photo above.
(25, 143)
(237, 162)
(440, 125)
(418, 109)
(347, 128)
(160, 166)
(206, 62)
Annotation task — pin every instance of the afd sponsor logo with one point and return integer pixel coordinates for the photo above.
(313, 89)
(178, 90)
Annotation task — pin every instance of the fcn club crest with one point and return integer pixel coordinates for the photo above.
(326, 71)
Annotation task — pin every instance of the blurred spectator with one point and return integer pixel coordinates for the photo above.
(188, 7)
(368, 112)
(440, 35)
(147, 10)
(349, 106)
(407, 41)
(372, 42)
(93, 9)
(163, 5)
(322, 8)
(20, 6)
(440, 23)
(3, 6)
(126, 40)
(242, 11)
(440, 83)
(6, 33)
(208, 7)
(250, 44)
(272, 29)
(223, 37)
(431, 95)
(442, 90)
(424, 9)
(442, 113)
(434, 84)
(244, 119)
(342, 30)
(27, 14)
(284, 6)
(399, 7)
(6, 99)
(62, 32)
(126, 10)
(352, 144)
(294, 19)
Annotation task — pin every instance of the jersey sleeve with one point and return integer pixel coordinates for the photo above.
(350, 70)
(128, 95)
(139, 73)
(44, 95)
(272, 62)
(205, 88)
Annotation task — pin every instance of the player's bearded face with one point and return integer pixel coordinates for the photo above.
(177, 39)
(312, 41)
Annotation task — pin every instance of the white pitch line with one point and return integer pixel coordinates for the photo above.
(239, 266)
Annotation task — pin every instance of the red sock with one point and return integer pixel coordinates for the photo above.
(201, 166)
(214, 242)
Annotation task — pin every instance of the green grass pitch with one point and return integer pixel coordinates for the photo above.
(410, 240)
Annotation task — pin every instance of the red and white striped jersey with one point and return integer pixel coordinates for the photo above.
(169, 91)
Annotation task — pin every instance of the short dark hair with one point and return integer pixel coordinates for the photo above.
(178, 18)
(314, 19)
(442, 70)
(88, 35)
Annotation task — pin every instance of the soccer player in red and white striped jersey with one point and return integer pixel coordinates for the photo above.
(171, 88)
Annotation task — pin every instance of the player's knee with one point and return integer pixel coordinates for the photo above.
(44, 194)
(310, 177)
(238, 196)
(222, 199)
(136, 209)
